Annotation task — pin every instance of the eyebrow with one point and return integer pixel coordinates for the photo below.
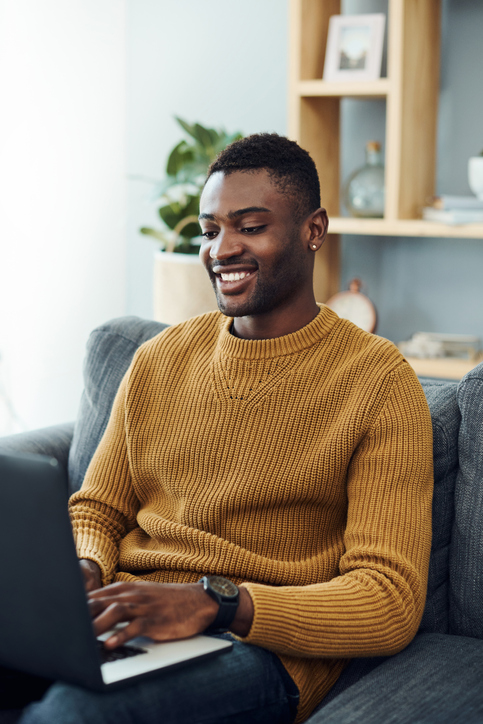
(237, 213)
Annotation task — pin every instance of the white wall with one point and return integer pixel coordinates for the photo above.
(63, 144)
(220, 62)
(62, 196)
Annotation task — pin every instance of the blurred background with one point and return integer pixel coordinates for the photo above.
(89, 90)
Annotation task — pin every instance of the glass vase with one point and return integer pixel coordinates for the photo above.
(363, 192)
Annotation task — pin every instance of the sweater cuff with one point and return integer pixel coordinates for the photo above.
(95, 546)
(273, 624)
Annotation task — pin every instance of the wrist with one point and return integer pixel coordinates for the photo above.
(92, 574)
(208, 606)
(91, 565)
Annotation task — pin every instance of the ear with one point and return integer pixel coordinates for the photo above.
(317, 226)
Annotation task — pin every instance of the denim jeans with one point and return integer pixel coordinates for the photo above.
(246, 684)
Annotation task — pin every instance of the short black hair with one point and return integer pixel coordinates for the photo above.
(291, 169)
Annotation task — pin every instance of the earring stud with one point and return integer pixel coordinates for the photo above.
(314, 246)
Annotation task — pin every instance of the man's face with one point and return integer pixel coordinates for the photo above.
(252, 249)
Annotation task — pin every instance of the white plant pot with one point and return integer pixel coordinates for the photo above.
(475, 175)
(182, 287)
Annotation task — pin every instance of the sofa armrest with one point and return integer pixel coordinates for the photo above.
(54, 441)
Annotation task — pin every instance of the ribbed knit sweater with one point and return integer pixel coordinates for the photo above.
(299, 467)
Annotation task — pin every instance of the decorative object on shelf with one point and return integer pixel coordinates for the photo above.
(453, 210)
(475, 175)
(354, 47)
(431, 345)
(449, 202)
(182, 288)
(178, 195)
(363, 192)
(355, 306)
(453, 217)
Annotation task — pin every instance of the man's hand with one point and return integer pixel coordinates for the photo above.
(91, 573)
(162, 611)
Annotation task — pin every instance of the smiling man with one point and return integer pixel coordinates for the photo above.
(278, 453)
(260, 263)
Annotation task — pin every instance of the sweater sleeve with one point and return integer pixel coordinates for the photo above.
(375, 604)
(105, 507)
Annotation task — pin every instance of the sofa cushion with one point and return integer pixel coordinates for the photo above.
(466, 563)
(445, 416)
(54, 441)
(110, 349)
(437, 678)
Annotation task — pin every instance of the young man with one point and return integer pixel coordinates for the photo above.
(271, 444)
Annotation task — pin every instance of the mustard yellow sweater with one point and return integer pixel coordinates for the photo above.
(299, 467)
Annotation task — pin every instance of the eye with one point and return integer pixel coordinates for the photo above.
(252, 229)
(209, 235)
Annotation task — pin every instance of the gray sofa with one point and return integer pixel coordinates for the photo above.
(439, 676)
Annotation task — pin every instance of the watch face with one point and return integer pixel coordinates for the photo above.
(223, 586)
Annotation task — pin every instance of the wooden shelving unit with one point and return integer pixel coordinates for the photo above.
(410, 91)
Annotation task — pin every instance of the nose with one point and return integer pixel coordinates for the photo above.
(226, 245)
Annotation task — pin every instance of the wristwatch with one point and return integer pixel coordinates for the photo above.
(226, 594)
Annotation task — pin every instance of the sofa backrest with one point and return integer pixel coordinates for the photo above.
(466, 559)
(110, 349)
(445, 417)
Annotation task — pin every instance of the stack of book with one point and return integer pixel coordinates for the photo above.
(430, 344)
(454, 210)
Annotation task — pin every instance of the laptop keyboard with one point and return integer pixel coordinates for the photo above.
(122, 652)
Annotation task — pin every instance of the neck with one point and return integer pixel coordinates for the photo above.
(275, 324)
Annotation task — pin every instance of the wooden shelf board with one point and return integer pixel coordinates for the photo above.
(402, 227)
(442, 368)
(368, 89)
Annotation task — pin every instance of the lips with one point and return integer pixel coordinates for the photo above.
(231, 280)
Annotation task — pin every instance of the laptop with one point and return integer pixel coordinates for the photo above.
(45, 625)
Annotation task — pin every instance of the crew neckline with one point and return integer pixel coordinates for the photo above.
(307, 336)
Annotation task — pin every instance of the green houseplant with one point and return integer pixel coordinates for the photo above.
(178, 195)
(182, 288)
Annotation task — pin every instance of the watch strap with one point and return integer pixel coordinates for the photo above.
(224, 617)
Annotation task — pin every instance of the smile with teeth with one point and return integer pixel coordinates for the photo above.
(234, 276)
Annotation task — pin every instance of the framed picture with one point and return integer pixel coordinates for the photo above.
(354, 47)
